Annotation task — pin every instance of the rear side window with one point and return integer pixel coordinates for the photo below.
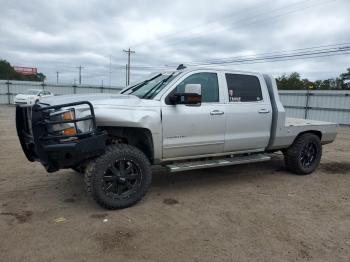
(243, 88)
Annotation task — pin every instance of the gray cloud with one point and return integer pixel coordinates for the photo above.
(60, 35)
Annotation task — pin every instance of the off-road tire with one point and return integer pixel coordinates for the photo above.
(293, 155)
(95, 173)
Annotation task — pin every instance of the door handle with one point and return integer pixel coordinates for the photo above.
(216, 113)
(264, 111)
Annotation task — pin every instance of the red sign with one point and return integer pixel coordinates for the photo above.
(26, 71)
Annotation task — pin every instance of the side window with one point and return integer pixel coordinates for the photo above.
(243, 88)
(209, 83)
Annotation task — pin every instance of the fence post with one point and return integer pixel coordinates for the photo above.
(307, 103)
(102, 89)
(8, 92)
(74, 89)
(43, 85)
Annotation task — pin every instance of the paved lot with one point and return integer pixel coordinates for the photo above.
(255, 212)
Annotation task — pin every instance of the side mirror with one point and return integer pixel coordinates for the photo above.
(186, 99)
(191, 96)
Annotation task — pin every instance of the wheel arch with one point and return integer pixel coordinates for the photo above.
(315, 132)
(141, 138)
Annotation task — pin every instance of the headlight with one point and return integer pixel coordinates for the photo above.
(63, 128)
(70, 129)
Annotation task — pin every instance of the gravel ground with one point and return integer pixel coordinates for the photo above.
(256, 212)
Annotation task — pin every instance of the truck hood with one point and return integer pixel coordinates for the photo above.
(100, 100)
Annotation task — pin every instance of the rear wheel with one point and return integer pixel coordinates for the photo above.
(304, 155)
(119, 178)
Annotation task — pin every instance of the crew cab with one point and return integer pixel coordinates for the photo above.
(184, 119)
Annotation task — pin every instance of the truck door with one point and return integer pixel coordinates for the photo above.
(248, 113)
(195, 130)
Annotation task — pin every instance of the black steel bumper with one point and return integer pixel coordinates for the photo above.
(56, 151)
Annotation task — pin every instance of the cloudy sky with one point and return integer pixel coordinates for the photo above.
(60, 35)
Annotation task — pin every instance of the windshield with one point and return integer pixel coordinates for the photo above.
(150, 87)
(32, 92)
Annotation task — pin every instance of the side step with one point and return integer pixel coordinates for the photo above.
(184, 166)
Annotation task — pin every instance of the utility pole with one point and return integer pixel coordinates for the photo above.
(129, 52)
(80, 67)
(110, 71)
(126, 74)
(57, 73)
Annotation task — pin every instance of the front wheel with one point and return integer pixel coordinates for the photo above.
(304, 155)
(119, 178)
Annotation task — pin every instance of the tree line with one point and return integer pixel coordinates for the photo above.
(7, 72)
(293, 81)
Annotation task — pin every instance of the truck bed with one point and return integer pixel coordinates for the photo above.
(286, 134)
(297, 122)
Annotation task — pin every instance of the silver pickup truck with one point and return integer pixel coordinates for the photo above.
(182, 120)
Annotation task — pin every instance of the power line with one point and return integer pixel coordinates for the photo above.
(280, 60)
(254, 17)
(265, 53)
(228, 18)
(274, 55)
(286, 56)
(266, 57)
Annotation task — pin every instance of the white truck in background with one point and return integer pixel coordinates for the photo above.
(183, 120)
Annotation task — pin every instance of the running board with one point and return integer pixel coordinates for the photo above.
(191, 165)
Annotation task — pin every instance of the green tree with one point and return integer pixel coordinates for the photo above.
(292, 82)
(7, 72)
(345, 79)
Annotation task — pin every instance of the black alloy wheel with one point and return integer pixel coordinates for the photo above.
(308, 155)
(121, 178)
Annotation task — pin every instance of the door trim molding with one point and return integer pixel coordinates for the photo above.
(189, 145)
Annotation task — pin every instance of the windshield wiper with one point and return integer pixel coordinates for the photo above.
(139, 85)
(155, 88)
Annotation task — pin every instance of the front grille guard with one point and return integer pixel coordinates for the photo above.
(33, 132)
(45, 112)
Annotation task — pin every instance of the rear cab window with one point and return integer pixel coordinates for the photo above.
(243, 88)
